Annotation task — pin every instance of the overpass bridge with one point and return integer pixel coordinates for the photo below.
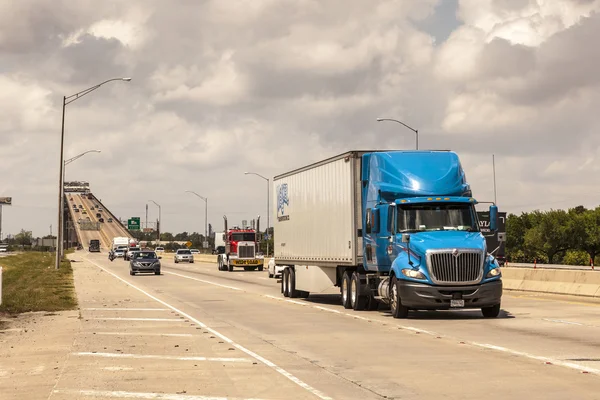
(80, 229)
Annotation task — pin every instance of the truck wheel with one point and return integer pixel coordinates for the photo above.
(292, 292)
(260, 267)
(270, 275)
(398, 310)
(285, 281)
(357, 300)
(491, 312)
(230, 267)
(346, 290)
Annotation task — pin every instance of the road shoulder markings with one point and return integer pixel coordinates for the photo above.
(159, 357)
(265, 361)
(120, 394)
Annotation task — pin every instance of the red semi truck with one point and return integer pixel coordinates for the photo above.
(241, 248)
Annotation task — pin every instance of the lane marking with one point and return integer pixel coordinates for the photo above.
(537, 297)
(138, 319)
(126, 309)
(570, 365)
(301, 303)
(537, 358)
(117, 368)
(560, 321)
(202, 280)
(270, 364)
(140, 395)
(141, 334)
(156, 357)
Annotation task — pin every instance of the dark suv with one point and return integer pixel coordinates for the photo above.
(144, 261)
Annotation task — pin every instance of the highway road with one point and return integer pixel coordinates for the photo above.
(541, 347)
(108, 230)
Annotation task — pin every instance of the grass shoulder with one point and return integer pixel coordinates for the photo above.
(31, 283)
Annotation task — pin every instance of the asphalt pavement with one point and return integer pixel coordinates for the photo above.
(242, 339)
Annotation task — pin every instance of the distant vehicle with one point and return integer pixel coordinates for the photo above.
(274, 269)
(144, 261)
(219, 247)
(98, 215)
(70, 198)
(76, 209)
(94, 246)
(101, 220)
(3, 248)
(84, 212)
(184, 255)
(119, 252)
(130, 251)
(81, 206)
(109, 219)
(99, 208)
(119, 242)
(241, 246)
(195, 251)
(92, 207)
(160, 250)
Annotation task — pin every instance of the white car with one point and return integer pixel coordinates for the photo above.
(274, 270)
(195, 251)
(119, 253)
(3, 248)
(184, 255)
(159, 250)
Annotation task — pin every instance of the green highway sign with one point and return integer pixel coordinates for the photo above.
(133, 223)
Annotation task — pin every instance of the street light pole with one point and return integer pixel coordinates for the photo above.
(159, 219)
(268, 204)
(68, 100)
(66, 162)
(205, 213)
(416, 131)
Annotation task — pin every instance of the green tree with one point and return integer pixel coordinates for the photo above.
(23, 238)
(586, 230)
(166, 236)
(551, 236)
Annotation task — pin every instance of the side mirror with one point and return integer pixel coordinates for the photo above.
(405, 238)
(501, 237)
(493, 217)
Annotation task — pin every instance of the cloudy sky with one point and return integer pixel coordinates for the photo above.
(226, 86)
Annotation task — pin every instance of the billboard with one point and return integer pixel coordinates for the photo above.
(7, 201)
(492, 241)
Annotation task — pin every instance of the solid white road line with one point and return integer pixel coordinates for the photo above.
(155, 357)
(140, 395)
(141, 334)
(560, 321)
(270, 364)
(138, 319)
(125, 309)
(201, 280)
(575, 366)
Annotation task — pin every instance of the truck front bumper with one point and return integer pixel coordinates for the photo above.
(426, 297)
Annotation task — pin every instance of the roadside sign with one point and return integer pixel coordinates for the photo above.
(188, 244)
(133, 223)
(205, 244)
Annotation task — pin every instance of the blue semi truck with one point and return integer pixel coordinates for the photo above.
(397, 227)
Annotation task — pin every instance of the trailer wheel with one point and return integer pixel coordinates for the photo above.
(491, 312)
(346, 290)
(398, 310)
(260, 267)
(357, 300)
(285, 281)
(292, 292)
(230, 267)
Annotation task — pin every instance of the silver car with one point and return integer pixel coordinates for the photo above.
(184, 255)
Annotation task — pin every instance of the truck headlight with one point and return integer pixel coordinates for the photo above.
(412, 273)
(494, 273)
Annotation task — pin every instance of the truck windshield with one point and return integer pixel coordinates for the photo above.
(436, 217)
(243, 236)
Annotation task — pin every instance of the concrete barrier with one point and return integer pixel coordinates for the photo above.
(558, 281)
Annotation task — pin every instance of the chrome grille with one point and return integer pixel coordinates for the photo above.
(246, 252)
(463, 268)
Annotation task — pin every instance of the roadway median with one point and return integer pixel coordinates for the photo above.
(556, 281)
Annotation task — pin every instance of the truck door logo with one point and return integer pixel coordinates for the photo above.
(282, 201)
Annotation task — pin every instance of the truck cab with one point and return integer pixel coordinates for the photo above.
(240, 250)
